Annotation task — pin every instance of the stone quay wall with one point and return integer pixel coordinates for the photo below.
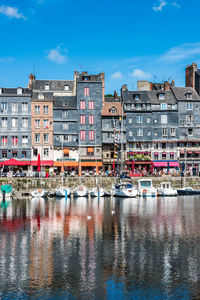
(26, 184)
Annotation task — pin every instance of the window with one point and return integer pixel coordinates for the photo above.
(163, 106)
(190, 131)
(161, 96)
(24, 141)
(83, 135)
(139, 132)
(82, 120)
(173, 106)
(4, 122)
(46, 124)
(86, 91)
(14, 107)
(91, 135)
(138, 106)
(65, 126)
(149, 132)
(164, 131)
(19, 91)
(164, 155)
(189, 118)
(91, 105)
(173, 131)
(46, 109)
(64, 114)
(14, 141)
(35, 152)
(156, 156)
(130, 120)
(74, 138)
(113, 110)
(164, 119)
(82, 104)
(66, 87)
(41, 96)
(14, 122)
(4, 140)
(46, 138)
(172, 156)
(130, 133)
(189, 95)
(189, 105)
(91, 120)
(37, 109)
(37, 123)
(137, 97)
(46, 152)
(46, 87)
(4, 154)
(139, 118)
(24, 122)
(37, 137)
(24, 154)
(155, 145)
(148, 120)
(4, 107)
(24, 106)
(14, 154)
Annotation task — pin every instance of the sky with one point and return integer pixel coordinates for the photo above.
(129, 40)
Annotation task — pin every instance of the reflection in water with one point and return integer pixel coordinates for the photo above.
(100, 248)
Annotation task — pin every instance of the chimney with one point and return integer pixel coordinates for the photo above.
(31, 80)
(173, 83)
(143, 85)
(115, 95)
(76, 75)
(190, 75)
(166, 86)
(102, 75)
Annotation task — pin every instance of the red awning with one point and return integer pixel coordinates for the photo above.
(174, 164)
(14, 162)
(160, 164)
(156, 153)
(182, 152)
(190, 152)
(46, 163)
(172, 153)
(164, 153)
(197, 151)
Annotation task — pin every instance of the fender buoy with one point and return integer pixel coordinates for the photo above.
(144, 191)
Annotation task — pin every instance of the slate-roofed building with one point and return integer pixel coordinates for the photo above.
(111, 132)
(90, 96)
(189, 126)
(15, 125)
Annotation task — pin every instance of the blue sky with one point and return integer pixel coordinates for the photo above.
(128, 40)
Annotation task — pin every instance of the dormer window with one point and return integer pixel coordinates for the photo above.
(137, 97)
(19, 91)
(113, 110)
(66, 87)
(41, 96)
(189, 96)
(46, 87)
(161, 96)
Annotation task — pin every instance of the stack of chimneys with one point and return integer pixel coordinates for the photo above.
(31, 80)
(190, 75)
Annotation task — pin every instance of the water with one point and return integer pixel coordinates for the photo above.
(100, 249)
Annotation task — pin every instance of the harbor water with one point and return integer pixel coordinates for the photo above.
(100, 248)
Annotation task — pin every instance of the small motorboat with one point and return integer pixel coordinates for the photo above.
(39, 193)
(125, 189)
(188, 191)
(97, 192)
(146, 189)
(166, 190)
(63, 192)
(80, 191)
(7, 190)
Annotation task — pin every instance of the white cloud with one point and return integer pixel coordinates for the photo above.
(116, 75)
(140, 74)
(11, 12)
(162, 3)
(56, 56)
(6, 59)
(184, 51)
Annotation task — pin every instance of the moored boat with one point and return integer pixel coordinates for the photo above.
(7, 190)
(188, 191)
(146, 189)
(80, 191)
(125, 189)
(63, 192)
(39, 193)
(97, 192)
(166, 190)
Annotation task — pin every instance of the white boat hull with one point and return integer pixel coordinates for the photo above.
(63, 192)
(125, 193)
(80, 191)
(97, 192)
(148, 193)
(167, 192)
(38, 193)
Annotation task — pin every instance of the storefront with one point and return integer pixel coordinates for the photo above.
(166, 166)
(14, 165)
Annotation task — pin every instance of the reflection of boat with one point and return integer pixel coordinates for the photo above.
(97, 192)
(62, 192)
(80, 191)
(188, 191)
(39, 193)
(166, 189)
(125, 189)
(146, 189)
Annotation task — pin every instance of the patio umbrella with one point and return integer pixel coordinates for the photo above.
(133, 165)
(152, 168)
(39, 164)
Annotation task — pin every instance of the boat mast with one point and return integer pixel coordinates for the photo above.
(122, 129)
(62, 161)
(95, 155)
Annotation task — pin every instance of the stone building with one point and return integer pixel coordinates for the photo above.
(15, 125)
(112, 128)
(90, 95)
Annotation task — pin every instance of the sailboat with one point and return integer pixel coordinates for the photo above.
(80, 190)
(40, 192)
(62, 191)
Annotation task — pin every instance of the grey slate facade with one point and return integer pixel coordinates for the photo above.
(15, 123)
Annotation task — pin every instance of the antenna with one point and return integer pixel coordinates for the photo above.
(154, 78)
(79, 67)
(132, 86)
(34, 69)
